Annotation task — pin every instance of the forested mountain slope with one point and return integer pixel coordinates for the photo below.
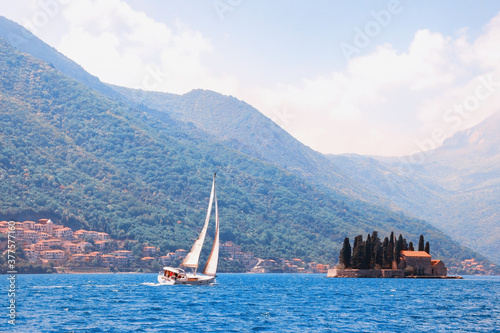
(427, 190)
(238, 125)
(70, 153)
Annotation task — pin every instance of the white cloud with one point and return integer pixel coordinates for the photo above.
(381, 103)
(18, 11)
(485, 47)
(121, 45)
(386, 102)
(126, 47)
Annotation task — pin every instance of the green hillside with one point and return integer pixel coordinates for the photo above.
(240, 126)
(71, 154)
(450, 190)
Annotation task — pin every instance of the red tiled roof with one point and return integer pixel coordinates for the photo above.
(415, 254)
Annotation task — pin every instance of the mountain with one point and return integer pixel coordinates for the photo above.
(73, 154)
(425, 190)
(238, 125)
(455, 187)
(228, 120)
(70, 153)
(467, 167)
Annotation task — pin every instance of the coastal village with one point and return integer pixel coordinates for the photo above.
(50, 244)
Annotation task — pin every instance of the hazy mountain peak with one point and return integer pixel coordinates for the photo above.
(476, 138)
(484, 137)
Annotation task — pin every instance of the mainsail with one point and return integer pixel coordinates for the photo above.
(193, 256)
(211, 265)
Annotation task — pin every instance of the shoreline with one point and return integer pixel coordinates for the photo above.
(451, 277)
(385, 274)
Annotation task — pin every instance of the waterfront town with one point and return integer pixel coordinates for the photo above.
(48, 244)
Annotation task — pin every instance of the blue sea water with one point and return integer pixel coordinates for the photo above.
(251, 302)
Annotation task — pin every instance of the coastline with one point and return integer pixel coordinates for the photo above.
(383, 274)
(62, 272)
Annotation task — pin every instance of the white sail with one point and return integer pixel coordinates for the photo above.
(211, 265)
(193, 256)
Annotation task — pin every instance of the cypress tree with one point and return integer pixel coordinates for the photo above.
(398, 248)
(404, 246)
(368, 253)
(375, 249)
(427, 248)
(421, 243)
(385, 249)
(345, 254)
(378, 257)
(390, 250)
(358, 253)
(397, 252)
(400, 240)
(375, 238)
(356, 239)
(410, 247)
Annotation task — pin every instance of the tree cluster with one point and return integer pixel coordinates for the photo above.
(373, 253)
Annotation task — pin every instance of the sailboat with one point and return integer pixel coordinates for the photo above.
(171, 275)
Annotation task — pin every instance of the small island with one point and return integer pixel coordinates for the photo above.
(391, 258)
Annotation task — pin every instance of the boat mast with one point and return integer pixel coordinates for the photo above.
(193, 256)
(211, 265)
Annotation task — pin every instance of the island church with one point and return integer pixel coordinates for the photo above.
(411, 264)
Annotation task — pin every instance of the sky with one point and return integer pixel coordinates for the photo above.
(388, 78)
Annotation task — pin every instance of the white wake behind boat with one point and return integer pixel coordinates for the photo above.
(171, 275)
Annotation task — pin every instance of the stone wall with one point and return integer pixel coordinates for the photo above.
(365, 273)
(393, 273)
(439, 269)
(421, 265)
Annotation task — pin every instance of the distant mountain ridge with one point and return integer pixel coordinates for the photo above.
(456, 187)
(467, 166)
(70, 153)
(426, 191)
(238, 125)
(247, 145)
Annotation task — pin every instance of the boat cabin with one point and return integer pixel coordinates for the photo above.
(174, 273)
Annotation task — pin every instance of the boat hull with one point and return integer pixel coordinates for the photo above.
(190, 279)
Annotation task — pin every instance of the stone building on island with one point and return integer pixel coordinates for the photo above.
(416, 262)
(411, 264)
(420, 263)
(438, 268)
